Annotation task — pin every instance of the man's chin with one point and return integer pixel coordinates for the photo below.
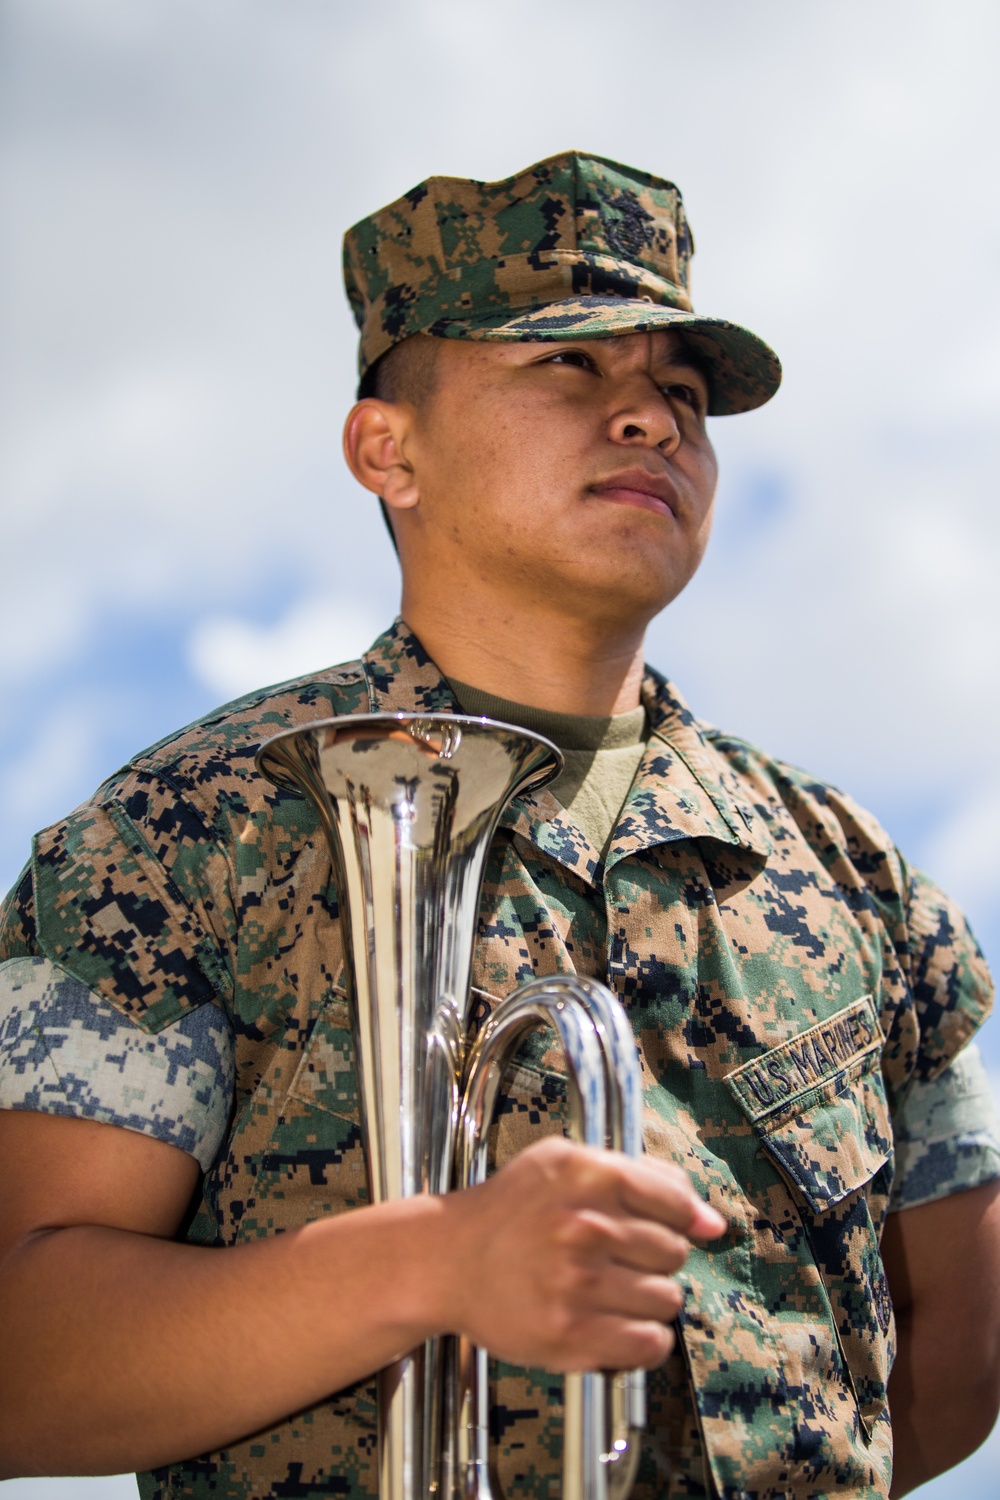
(624, 599)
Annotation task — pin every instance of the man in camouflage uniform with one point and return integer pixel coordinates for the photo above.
(175, 1052)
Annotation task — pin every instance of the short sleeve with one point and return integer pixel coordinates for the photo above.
(938, 992)
(947, 1134)
(130, 893)
(65, 1051)
(951, 984)
(17, 919)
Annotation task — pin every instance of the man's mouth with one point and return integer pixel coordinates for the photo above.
(639, 488)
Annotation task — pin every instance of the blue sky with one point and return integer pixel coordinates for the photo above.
(176, 356)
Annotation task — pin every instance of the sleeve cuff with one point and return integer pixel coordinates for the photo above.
(66, 1051)
(947, 1134)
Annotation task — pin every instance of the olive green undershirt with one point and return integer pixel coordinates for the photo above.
(602, 755)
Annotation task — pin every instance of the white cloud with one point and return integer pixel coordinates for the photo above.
(45, 778)
(232, 656)
(178, 353)
(962, 852)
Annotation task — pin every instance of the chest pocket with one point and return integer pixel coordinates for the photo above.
(818, 1104)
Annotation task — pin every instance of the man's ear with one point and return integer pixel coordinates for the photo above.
(374, 439)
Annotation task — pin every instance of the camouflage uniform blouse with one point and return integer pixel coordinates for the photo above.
(787, 977)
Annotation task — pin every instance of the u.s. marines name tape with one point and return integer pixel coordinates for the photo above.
(782, 1078)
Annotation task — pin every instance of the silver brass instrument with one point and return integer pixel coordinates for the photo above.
(409, 805)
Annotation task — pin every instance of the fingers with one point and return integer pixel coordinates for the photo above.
(632, 1295)
(647, 1188)
(605, 1342)
(600, 1275)
(638, 1244)
(660, 1191)
(575, 1250)
(607, 1317)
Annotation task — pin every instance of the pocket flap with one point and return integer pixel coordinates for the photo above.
(818, 1102)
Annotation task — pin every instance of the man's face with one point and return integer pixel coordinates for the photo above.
(580, 470)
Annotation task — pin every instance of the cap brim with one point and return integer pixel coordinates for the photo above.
(745, 371)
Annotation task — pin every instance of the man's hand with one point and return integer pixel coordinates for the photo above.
(943, 1265)
(572, 1252)
(132, 1350)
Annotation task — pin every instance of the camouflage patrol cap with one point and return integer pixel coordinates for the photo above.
(575, 247)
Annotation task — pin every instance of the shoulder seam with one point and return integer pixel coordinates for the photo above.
(346, 675)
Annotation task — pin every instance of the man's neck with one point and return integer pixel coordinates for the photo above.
(550, 663)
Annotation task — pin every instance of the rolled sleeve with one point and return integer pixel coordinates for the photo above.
(951, 984)
(65, 1050)
(947, 1134)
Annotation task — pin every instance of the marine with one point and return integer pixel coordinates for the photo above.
(803, 1259)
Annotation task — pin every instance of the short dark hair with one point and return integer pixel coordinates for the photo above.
(406, 372)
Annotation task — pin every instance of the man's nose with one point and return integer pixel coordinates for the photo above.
(643, 417)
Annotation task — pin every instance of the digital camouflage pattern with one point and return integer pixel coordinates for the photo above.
(64, 1051)
(574, 247)
(742, 912)
(947, 1135)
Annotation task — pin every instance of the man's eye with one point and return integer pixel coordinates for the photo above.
(572, 357)
(689, 394)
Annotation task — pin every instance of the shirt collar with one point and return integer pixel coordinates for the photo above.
(684, 788)
(402, 678)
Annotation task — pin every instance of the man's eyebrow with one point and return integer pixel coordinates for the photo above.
(683, 359)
